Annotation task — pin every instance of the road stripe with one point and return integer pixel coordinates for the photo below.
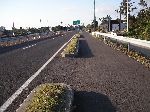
(29, 46)
(19, 91)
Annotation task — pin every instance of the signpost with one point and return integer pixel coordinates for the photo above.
(77, 22)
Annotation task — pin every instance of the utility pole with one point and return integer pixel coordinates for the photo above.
(127, 15)
(94, 16)
(109, 22)
(120, 20)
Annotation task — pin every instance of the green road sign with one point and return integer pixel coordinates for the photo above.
(76, 22)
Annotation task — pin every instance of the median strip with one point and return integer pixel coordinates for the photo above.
(50, 97)
(72, 48)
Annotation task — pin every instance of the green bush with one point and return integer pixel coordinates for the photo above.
(48, 98)
(72, 46)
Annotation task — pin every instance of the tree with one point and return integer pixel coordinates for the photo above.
(88, 26)
(103, 20)
(143, 23)
(123, 7)
(139, 26)
(143, 3)
(96, 24)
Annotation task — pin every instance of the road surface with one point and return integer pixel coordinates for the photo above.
(104, 79)
(19, 62)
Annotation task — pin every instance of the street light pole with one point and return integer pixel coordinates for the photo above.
(127, 15)
(120, 20)
(94, 16)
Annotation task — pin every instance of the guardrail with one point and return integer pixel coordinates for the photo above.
(140, 43)
(141, 46)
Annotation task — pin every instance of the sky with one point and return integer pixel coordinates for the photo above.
(27, 13)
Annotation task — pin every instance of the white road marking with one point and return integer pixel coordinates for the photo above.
(29, 46)
(19, 91)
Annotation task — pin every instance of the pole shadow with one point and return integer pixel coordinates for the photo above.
(84, 49)
(92, 102)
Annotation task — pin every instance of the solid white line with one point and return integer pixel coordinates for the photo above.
(18, 92)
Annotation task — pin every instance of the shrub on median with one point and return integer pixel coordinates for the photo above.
(47, 98)
(72, 47)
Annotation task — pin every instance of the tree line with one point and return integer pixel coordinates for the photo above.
(139, 18)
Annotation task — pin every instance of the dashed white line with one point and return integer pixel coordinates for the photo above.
(19, 91)
(29, 46)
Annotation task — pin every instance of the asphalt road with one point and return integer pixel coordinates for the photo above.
(19, 62)
(104, 79)
(25, 44)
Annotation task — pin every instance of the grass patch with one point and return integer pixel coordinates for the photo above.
(72, 48)
(47, 98)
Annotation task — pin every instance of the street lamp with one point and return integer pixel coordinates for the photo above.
(127, 15)
(94, 16)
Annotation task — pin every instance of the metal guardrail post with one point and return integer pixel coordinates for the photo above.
(128, 47)
(104, 39)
